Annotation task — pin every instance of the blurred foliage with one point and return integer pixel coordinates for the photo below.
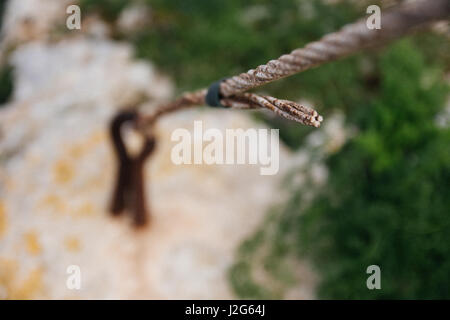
(2, 10)
(108, 9)
(386, 201)
(6, 72)
(6, 83)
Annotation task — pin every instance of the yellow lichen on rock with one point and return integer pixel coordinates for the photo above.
(80, 149)
(85, 210)
(8, 269)
(53, 202)
(96, 138)
(29, 288)
(12, 288)
(3, 219)
(63, 171)
(72, 244)
(76, 151)
(32, 243)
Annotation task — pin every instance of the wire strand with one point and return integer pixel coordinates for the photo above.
(350, 39)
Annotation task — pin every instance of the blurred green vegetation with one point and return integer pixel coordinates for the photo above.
(387, 198)
(2, 9)
(6, 83)
(6, 73)
(109, 10)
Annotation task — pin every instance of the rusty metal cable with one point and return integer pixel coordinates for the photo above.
(350, 39)
(231, 92)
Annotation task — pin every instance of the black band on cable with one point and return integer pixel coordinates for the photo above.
(213, 95)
